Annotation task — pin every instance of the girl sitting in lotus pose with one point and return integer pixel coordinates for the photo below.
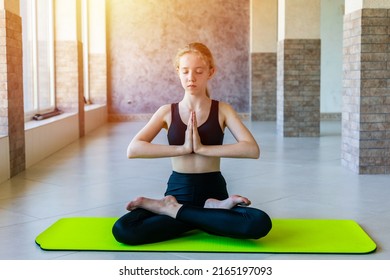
(196, 196)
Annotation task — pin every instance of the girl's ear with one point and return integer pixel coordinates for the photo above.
(212, 72)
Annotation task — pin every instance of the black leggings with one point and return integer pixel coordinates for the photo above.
(192, 190)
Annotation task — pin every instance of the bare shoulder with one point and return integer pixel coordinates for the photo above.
(227, 115)
(233, 121)
(163, 114)
(226, 110)
(164, 109)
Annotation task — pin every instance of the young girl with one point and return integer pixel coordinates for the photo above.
(196, 196)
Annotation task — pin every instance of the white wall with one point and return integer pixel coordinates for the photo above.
(42, 140)
(46, 137)
(95, 117)
(353, 5)
(298, 19)
(332, 12)
(264, 23)
(4, 159)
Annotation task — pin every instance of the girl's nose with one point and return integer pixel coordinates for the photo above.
(191, 76)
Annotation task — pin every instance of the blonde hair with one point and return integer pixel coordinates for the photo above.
(199, 49)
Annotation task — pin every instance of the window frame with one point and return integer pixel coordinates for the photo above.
(33, 55)
(85, 39)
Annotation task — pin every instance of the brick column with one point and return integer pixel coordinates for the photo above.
(263, 86)
(366, 94)
(298, 87)
(11, 88)
(298, 69)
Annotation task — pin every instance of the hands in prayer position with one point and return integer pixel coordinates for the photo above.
(192, 140)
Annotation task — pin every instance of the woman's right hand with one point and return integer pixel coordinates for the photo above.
(188, 145)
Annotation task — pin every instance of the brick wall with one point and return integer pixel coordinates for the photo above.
(69, 79)
(98, 78)
(67, 76)
(366, 94)
(263, 86)
(298, 87)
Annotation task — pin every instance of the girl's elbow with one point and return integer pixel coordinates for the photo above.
(252, 150)
(131, 151)
(256, 152)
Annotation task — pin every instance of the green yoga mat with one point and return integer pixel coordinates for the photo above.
(286, 236)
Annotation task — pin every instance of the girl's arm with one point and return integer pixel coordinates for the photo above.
(142, 147)
(245, 147)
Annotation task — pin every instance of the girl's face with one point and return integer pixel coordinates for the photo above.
(194, 73)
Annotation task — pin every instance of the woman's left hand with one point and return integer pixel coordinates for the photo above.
(196, 142)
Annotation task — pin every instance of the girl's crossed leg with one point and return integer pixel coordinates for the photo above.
(152, 220)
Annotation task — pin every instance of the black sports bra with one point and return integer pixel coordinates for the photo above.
(210, 132)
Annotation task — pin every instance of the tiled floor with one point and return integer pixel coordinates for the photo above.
(294, 178)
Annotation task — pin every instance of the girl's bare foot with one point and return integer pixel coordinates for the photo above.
(228, 203)
(166, 206)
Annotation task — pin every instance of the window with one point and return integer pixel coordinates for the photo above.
(38, 56)
(85, 39)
